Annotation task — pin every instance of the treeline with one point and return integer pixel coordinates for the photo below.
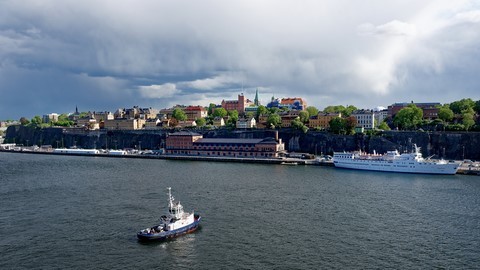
(459, 115)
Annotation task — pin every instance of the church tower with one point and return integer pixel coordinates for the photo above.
(257, 103)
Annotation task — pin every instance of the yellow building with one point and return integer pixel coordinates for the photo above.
(322, 120)
(124, 124)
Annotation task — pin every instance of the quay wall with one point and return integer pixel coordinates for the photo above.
(448, 145)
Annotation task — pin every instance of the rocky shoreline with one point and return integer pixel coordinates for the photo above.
(447, 145)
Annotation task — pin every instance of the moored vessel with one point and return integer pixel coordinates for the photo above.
(393, 161)
(173, 224)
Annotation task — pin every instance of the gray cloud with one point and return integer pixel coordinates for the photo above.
(109, 54)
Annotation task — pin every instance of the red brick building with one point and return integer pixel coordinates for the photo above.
(193, 144)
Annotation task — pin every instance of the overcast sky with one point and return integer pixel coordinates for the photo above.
(104, 55)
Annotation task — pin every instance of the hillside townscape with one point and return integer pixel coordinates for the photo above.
(294, 113)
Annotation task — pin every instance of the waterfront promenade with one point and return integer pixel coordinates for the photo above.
(466, 168)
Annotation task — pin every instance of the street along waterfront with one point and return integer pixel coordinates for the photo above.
(84, 212)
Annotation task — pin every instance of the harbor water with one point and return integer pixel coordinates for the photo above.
(69, 212)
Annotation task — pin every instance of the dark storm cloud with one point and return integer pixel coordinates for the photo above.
(109, 54)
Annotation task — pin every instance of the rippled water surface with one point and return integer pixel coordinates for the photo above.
(61, 212)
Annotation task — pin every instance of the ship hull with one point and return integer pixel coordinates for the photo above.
(162, 236)
(386, 166)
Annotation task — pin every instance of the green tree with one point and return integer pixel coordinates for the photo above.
(179, 114)
(63, 121)
(83, 115)
(384, 126)
(350, 124)
(468, 120)
(36, 121)
(261, 110)
(312, 110)
(477, 107)
(24, 121)
(349, 110)
(210, 108)
(220, 112)
(274, 120)
(297, 123)
(345, 111)
(200, 122)
(338, 125)
(445, 113)
(273, 110)
(233, 117)
(304, 116)
(408, 117)
(461, 105)
(334, 109)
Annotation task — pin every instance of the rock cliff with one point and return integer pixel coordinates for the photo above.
(448, 145)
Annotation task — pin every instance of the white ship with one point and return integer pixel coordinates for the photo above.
(392, 161)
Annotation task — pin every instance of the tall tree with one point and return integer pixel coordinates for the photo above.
(312, 110)
(274, 120)
(408, 117)
(445, 113)
(468, 120)
(24, 121)
(179, 114)
(334, 109)
(220, 112)
(233, 116)
(200, 122)
(384, 126)
(210, 108)
(338, 125)
(304, 116)
(261, 110)
(461, 105)
(350, 124)
(349, 110)
(477, 107)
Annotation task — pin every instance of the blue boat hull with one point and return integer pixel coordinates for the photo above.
(170, 234)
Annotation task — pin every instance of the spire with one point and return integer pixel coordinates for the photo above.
(76, 109)
(256, 98)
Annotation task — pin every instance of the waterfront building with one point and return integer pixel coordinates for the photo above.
(89, 123)
(288, 117)
(124, 124)
(102, 116)
(239, 105)
(244, 123)
(218, 122)
(430, 109)
(136, 112)
(295, 103)
(195, 112)
(153, 123)
(187, 123)
(322, 120)
(380, 116)
(365, 118)
(52, 117)
(251, 109)
(193, 144)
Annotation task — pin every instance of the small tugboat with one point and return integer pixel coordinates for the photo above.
(175, 223)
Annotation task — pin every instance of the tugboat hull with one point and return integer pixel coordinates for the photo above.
(165, 235)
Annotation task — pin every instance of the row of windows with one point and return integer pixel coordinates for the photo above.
(222, 154)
